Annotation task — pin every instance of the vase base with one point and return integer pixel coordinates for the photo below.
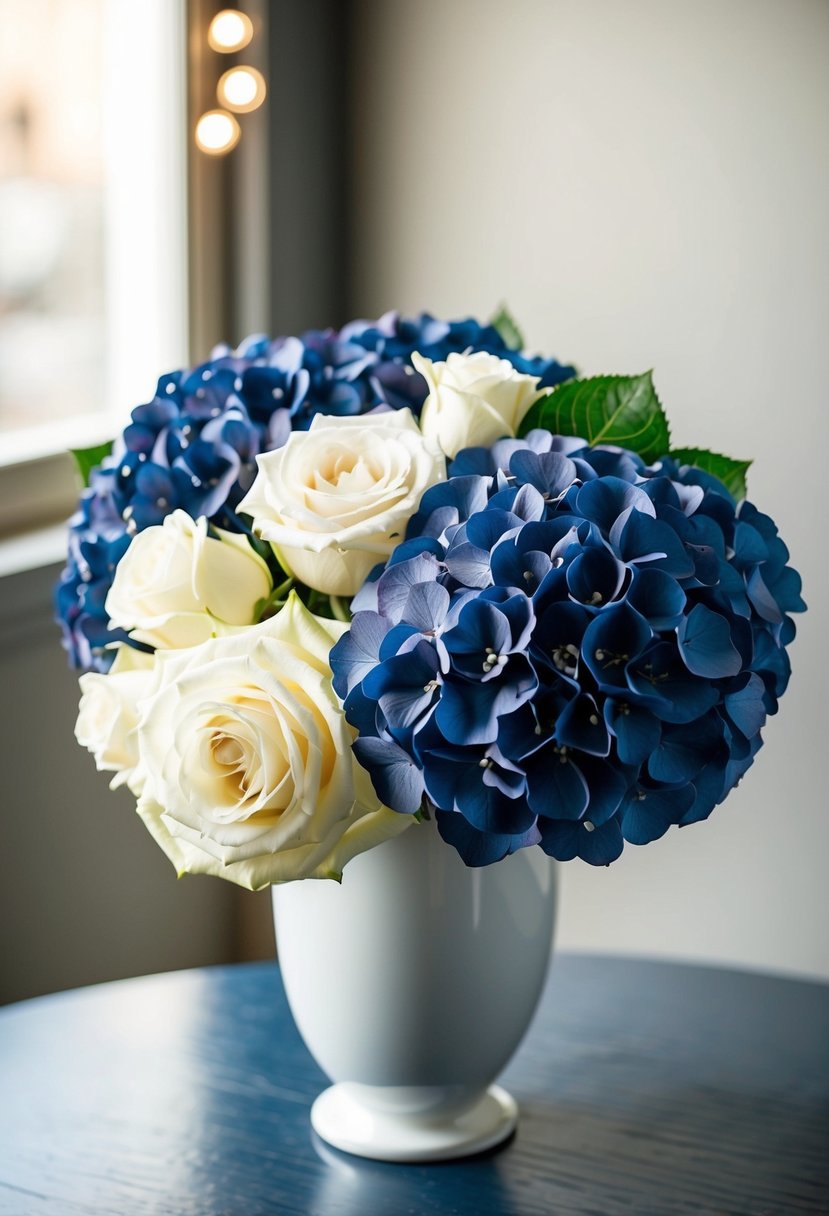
(348, 1125)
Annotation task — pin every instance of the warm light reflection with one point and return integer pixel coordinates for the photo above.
(242, 89)
(217, 132)
(229, 31)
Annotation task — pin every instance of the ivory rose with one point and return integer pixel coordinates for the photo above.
(108, 715)
(335, 500)
(473, 399)
(250, 773)
(176, 585)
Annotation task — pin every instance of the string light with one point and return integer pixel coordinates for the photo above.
(229, 31)
(242, 89)
(217, 132)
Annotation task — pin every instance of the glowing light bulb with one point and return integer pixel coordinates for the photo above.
(217, 132)
(242, 89)
(229, 31)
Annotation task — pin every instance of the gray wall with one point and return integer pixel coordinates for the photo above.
(85, 894)
(645, 183)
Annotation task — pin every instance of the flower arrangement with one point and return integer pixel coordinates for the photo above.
(326, 586)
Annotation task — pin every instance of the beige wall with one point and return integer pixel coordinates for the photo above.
(646, 183)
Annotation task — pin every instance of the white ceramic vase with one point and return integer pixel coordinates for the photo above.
(412, 984)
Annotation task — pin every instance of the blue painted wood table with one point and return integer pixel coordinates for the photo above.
(644, 1088)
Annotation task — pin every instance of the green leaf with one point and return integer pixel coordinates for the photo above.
(88, 459)
(732, 473)
(506, 325)
(621, 410)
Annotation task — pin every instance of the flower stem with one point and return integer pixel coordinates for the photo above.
(340, 609)
(275, 600)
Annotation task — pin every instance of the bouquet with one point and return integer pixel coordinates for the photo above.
(325, 587)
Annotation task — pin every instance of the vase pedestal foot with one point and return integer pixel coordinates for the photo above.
(389, 1136)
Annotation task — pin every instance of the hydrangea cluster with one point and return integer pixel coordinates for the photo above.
(194, 445)
(569, 649)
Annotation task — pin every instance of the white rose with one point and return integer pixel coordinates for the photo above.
(250, 773)
(473, 399)
(335, 500)
(108, 715)
(176, 586)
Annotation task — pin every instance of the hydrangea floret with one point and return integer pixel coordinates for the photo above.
(571, 648)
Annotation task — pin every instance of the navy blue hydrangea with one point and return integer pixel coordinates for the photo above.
(194, 445)
(569, 649)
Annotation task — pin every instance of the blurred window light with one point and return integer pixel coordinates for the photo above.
(229, 31)
(217, 132)
(51, 210)
(242, 89)
(93, 266)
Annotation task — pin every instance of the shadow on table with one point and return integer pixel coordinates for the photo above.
(654, 1155)
(355, 1186)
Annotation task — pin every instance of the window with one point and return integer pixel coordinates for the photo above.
(93, 231)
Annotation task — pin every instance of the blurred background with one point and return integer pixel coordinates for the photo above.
(644, 184)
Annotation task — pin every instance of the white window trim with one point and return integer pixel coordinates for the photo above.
(146, 263)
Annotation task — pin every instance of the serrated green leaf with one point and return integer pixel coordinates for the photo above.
(620, 410)
(88, 459)
(732, 473)
(506, 326)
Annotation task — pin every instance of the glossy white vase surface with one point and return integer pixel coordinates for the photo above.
(412, 984)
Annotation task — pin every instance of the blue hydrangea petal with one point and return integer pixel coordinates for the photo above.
(746, 706)
(405, 686)
(749, 546)
(510, 567)
(605, 499)
(642, 539)
(556, 788)
(400, 639)
(362, 712)
(356, 653)
(657, 596)
(396, 582)
(598, 846)
(684, 750)
(646, 814)
(473, 462)
(414, 548)
(550, 473)
(786, 589)
(426, 606)
(761, 598)
(396, 778)
(772, 663)
(595, 577)
(581, 725)
(611, 641)
(637, 731)
(481, 848)
(468, 711)
(704, 640)
(665, 686)
(709, 789)
(487, 808)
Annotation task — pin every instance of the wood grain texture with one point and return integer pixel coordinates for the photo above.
(644, 1088)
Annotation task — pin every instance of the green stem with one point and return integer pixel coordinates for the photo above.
(340, 609)
(276, 598)
(282, 590)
